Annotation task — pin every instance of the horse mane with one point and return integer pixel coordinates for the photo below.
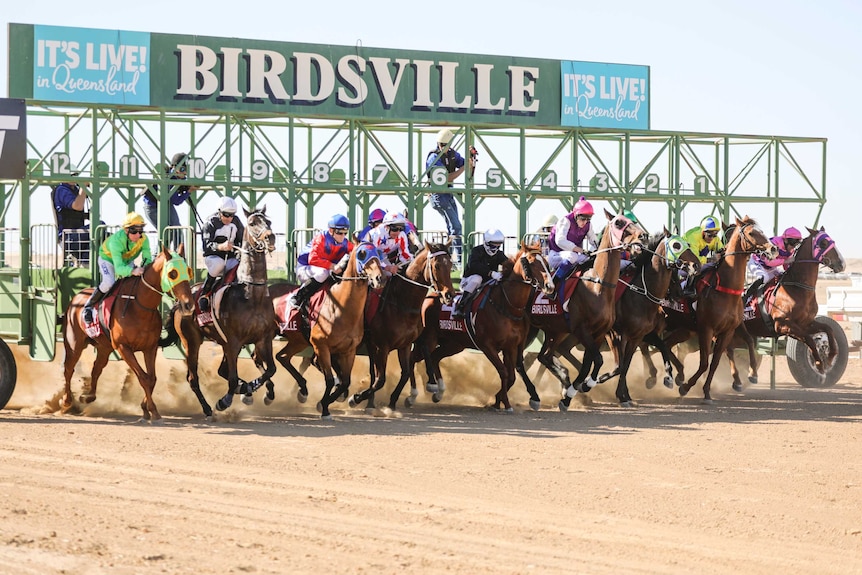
(508, 266)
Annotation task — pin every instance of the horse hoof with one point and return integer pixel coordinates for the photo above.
(508, 410)
(87, 398)
(668, 382)
(371, 410)
(222, 404)
(437, 397)
(341, 398)
(708, 401)
(352, 401)
(248, 399)
(535, 405)
(683, 390)
(326, 417)
(431, 387)
(301, 397)
(268, 400)
(628, 403)
(737, 387)
(320, 406)
(563, 407)
(650, 382)
(409, 401)
(752, 379)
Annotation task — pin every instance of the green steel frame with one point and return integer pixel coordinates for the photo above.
(295, 163)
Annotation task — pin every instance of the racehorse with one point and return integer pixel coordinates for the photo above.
(718, 305)
(497, 322)
(591, 309)
(130, 321)
(398, 320)
(788, 305)
(241, 314)
(638, 309)
(336, 326)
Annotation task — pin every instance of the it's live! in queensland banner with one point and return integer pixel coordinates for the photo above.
(90, 65)
(596, 95)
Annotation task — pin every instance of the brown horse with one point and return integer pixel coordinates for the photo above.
(338, 328)
(718, 305)
(130, 322)
(638, 309)
(500, 324)
(591, 310)
(241, 315)
(398, 321)
(788, 305)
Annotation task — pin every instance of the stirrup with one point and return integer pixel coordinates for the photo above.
(204, 303)
(88, 315)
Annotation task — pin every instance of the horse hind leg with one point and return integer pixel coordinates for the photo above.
(535, 401)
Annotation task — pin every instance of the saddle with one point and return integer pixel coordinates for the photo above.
(101, 314)
(215, 294)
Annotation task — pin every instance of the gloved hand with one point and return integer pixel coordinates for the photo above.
(497, 275)
(224, 247)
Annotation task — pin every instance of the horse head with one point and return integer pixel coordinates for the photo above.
(258, 231)
(824, 250)
(438, 269)
(174, 276)
(531, 265)
(625, 233)
(366, 262)
(676, 253)
(750, 238)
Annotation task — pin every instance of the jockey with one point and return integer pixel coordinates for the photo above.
(326, 254)
(390, 239)
(702, 240)
(117, 258)
(766, 270)
(375, 218)
(625, 258)
(222, 235)
(705, 238)
(571, 239)
(482, 266)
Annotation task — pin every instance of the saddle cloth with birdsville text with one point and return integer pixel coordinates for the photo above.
(288, 318)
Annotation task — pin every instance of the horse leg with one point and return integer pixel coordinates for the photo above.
(535, 402)
(628, 353)
(504, 369)
(406, 374)
(406, 366)
(546, 358)
(264, 361)
(229, 365)
(616, 342)
(653, 339)
(74, 345)
(291, 348)
(752, 353)
(705, 341)
(324, 363)
(191, 340)
(147, 382)
(676, 337)
(377, 359)
(722, 342)
(590, 371)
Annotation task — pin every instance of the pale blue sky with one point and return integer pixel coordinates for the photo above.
(787, 68)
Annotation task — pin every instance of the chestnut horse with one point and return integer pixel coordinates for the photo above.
(718, 305)
(591, 310)
(242, 314)
(638, 309)
(500, 325)
(338, 328)
(398, 321)
(132, 323)
(788, 305)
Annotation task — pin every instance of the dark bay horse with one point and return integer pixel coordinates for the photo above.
(591, 310)
(788, 305)
(130, 322)
(500, 324)
(638, 309)
(242, 314)
(718, 304)
(398, 321)
(337, 327)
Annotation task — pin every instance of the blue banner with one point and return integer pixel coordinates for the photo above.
(91, 66)
(595, 95)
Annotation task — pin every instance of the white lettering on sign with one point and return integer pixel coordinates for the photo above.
(7, 123)
(122, 66)
(309, 78)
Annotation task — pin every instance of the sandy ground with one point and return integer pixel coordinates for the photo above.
(766, 481)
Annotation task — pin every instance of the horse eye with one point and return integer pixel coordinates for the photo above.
(173, 274)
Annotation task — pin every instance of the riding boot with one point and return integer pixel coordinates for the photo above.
(458, 309)
(299, 299)
(88, 307)
(204, 294)
(560, 276)
(752, 289)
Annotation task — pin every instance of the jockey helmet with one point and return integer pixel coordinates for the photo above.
(583, 207)
(630, 215)
(710, 224)
(179, 160)
(494, 239)
(132, 219)
(792, 233)
(549, 221)
(227, 205)
(339, 222)
(395, 219)
(444, 136)
(376, 216)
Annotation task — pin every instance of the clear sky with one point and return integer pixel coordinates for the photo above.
(770, 67)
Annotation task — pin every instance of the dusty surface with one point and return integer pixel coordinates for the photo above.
(766, 481)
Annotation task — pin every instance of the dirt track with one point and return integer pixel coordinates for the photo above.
(763, 482)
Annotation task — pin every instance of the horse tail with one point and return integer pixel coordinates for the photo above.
(172, 336)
